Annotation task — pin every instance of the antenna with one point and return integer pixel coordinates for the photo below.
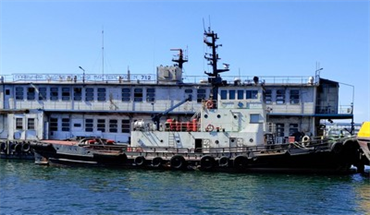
(102, 52)
(204, 26)
(209, 20)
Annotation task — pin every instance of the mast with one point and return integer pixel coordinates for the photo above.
(180, 60)
(214, 77)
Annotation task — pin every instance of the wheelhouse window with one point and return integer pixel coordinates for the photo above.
(31, 94)
(77, 94)
(42, 93)
(54, 93)
(89, 94)
(240, 94)
(231, 94)
(19, 123)
(101, 125)
(254, 118)
(150, 94)
(223, 94)
(251, 94)
(66, 93)
(280, 97)
(65, 124)
(268, 96)
(294, 96)
(53, 126)
(101, 94)
(126, 94)
(125, 126)
(19, 93)
(89, 125)
(201, 95)
(138, 95)
(31, 123)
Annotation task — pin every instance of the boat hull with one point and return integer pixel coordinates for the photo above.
(275, 158)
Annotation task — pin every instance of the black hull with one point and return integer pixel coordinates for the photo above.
(274, 159)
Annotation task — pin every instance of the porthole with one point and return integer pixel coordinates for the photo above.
(216, 141)
(218, 116)
(251, 140)
(235, 116)
(205, 116)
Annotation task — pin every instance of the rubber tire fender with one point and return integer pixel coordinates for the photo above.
(207, 162)
(178, 162)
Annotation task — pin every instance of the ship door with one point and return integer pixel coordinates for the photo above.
(232, 142)
(198, 145)
(8, 98)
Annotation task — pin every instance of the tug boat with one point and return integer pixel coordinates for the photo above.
(231, 131)
(363, 138)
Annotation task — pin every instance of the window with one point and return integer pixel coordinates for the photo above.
(279, 129)
(268, 96)
(126, 94)
(77, 94)
(138, 95)
(251, 94)
(65, 124)
(223, 94)
(19, 124)
(7, 92)
(89, 124)
(189, 92)
(125, 126)
(101, 125)
(19, 93)
(31, 123)
(294, 96)
(113, 125)
(89, 94)
(101, 94)
(240, 94)
(53, 126)
(150, 94)
(201, 95)
(42, 93)
(254, 118)
(31, 94)
(66, 93)
(231, 94)
(280, 97)
(293, 128)
(54, 93)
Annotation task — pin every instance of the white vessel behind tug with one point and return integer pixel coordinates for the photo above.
(238, 126)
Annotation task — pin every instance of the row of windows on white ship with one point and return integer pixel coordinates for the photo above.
(117, 126)
(138, 94)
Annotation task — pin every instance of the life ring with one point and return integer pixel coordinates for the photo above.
(157, 162)
(210, 128)
(178, 162)
(305, 140)
(207, 162)
(223, 161)
(139, 160)
(209, 104)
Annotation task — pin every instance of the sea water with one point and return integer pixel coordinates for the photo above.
(27, 188)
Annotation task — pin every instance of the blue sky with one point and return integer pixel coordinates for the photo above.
(260, 38)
